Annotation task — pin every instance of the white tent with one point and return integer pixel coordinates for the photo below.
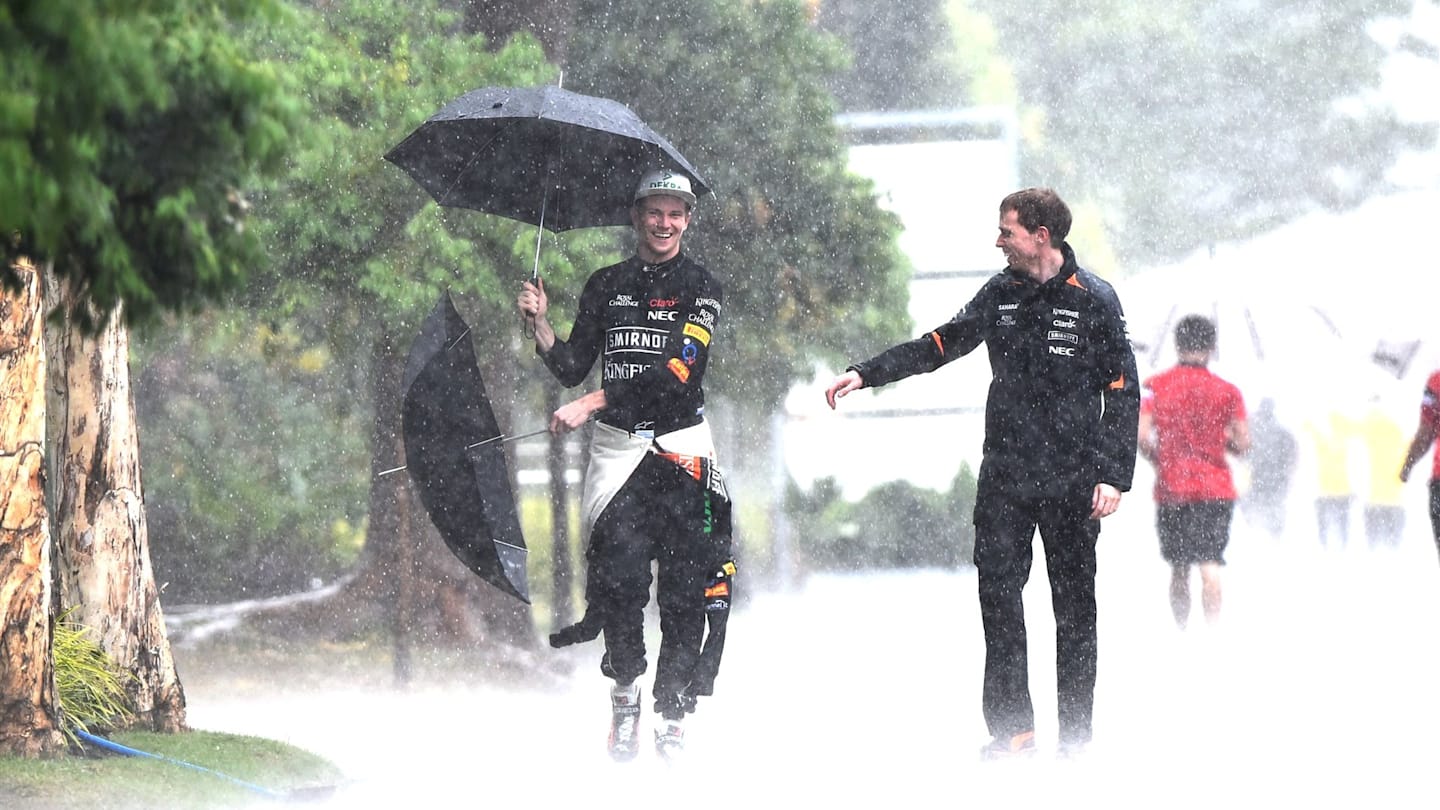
(1303, 309)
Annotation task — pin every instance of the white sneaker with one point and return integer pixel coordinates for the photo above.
(624, 722)
(670, 740)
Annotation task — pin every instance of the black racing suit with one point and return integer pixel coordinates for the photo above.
(1061, 417)
(652, 326)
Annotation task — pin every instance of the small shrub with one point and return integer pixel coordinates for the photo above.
(89, 687)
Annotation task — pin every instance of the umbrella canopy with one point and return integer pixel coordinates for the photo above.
(465, 485)
(541, 155)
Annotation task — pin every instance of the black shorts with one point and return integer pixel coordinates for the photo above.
(1194, 532)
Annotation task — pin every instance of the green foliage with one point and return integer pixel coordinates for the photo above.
(256, 458)
(128, 134)
(896, 525)
(89, 688)
(1201, 121)
(257, 420)
(809, 262)
(345, 224)
(901, 55)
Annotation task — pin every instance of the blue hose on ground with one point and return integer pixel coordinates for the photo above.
(101, 742)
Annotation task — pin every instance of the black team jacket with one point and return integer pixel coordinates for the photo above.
(1064, 404)
(652, 325)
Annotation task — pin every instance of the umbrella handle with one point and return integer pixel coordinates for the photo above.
(527, 329)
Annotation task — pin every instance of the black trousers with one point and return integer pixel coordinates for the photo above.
(1004, 534)
(664, 515)
(1435, 511)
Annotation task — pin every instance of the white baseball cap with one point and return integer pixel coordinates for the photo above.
(663, 181)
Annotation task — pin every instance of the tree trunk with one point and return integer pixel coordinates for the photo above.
(29, 723)
(102, 546)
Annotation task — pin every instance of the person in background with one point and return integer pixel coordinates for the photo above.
(1189, 420)
(1335, 495)
(1385, 445)
(1273, 452)
(1421, 443)
(653, 491)
(1059, 449)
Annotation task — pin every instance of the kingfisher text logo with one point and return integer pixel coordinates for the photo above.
(1067, 312)
(624, 371)
(708, 302)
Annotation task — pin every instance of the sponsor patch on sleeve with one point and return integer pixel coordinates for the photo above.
(698, 332)
(679, 369)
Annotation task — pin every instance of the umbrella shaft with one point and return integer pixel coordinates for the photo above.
(502, 438)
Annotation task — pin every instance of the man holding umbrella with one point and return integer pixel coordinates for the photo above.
(652, 491)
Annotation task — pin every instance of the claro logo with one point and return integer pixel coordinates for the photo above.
(665, 303)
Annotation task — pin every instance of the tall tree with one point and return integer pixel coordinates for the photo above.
(899, 55)
(1202, 121)
(354, 238)
(127, 137)
(29, 721)
(102, 545)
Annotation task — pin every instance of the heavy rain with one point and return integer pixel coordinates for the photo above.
(296, 290)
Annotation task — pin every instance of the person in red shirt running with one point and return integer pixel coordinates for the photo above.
(1420, 445)
(1189, 419)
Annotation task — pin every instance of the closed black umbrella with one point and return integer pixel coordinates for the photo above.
(458, 468)
(541, 155)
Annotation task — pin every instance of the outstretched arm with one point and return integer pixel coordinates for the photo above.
(1419, 446)
(842, 385)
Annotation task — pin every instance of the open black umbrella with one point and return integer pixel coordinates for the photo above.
(540, 155)
(458, 468)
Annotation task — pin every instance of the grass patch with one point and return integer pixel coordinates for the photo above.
(122, 782)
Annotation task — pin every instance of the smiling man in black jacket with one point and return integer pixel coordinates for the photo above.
(1060, 441)
(653, 491)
